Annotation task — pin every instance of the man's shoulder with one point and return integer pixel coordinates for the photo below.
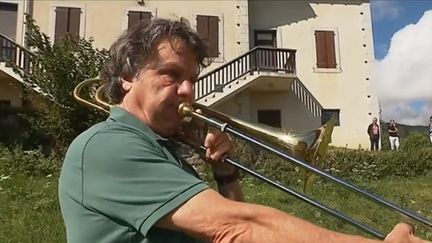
(108, 130)
(107, 135)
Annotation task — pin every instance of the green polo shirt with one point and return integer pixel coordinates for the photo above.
(118, 179)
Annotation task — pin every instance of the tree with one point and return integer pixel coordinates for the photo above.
(56, 69)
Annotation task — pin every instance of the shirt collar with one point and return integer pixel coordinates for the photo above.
(119, 114)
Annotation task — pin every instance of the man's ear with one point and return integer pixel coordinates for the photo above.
(126, 84)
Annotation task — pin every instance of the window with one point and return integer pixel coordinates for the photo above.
(8, 16)
(208, 27)
(270, 118)
(136, 16)
(265, 38)
(325, 49)
(326, 115)
(67, 20)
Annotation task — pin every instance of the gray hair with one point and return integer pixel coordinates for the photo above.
(137, 47)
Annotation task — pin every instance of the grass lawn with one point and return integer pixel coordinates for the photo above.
(30, 213)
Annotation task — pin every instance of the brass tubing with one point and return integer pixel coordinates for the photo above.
(301, 196)
(269, 141)
(223, 126)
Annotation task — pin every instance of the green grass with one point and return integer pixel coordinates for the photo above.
(30, 213)
(414, 194)
(29, 210)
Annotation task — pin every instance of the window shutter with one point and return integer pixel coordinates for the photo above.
(325, 49)
(202, 26)
(146, 16)
(330, 47)
(214, 36)
(67, 21)
(320, 43)
(134, 17)
(74, 21)
(61, 23)
(208, 28)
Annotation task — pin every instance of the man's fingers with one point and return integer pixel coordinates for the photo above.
(218, 144)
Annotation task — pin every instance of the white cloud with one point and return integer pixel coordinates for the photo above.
(385, 10)
(404, 76)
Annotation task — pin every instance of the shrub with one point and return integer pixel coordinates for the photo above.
(415, 141)
(353, 165)
(29, 163)
(57, 69)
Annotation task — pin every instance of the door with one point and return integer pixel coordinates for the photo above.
(266, 59)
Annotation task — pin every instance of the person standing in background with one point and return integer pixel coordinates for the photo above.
(430, 128)
(374, 134)
(393, 136)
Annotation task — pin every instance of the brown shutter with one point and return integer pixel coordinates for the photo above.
(202, 26)
(74, 21)
(208, 28)
(61, 23)
(214, 36)
(135, 16)
(325, 49)
(320, 43)
(330, 47)
(146, 16)
(67, 21)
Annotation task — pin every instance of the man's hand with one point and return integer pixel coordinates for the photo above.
(218, 145)
(402, 233)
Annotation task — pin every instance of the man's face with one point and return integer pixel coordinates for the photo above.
(156, 92)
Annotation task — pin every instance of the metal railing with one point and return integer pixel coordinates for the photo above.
(12, 53)
(257, 59)
(306, 97)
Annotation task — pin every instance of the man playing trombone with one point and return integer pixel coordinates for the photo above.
(123, 181)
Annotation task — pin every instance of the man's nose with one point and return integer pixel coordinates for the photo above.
(186, 90)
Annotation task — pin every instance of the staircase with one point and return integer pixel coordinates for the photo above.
(235, 74)
(306, 97)
(216, 84)
(12, 56)
(256, 60)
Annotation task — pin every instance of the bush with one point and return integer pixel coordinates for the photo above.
(57, 68)
(415, 141)
(357, 164)
(29, 163)
(354, 165)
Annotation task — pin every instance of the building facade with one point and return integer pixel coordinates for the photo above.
(287, 64)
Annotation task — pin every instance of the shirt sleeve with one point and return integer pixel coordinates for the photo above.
(132, 180)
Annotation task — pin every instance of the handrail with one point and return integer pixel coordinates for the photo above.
(257, 59)
(306, 97)
(12, 52)
(21, 59)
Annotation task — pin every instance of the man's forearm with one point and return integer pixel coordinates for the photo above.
(270, 225)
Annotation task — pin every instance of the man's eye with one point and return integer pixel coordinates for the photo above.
(173, 75)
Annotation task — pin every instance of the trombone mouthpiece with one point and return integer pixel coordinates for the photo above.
(185, 109)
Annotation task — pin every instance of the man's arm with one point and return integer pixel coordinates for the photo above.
(213, 218)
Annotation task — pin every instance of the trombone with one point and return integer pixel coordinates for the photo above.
(281, 145)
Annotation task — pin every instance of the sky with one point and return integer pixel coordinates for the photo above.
(402, 32)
